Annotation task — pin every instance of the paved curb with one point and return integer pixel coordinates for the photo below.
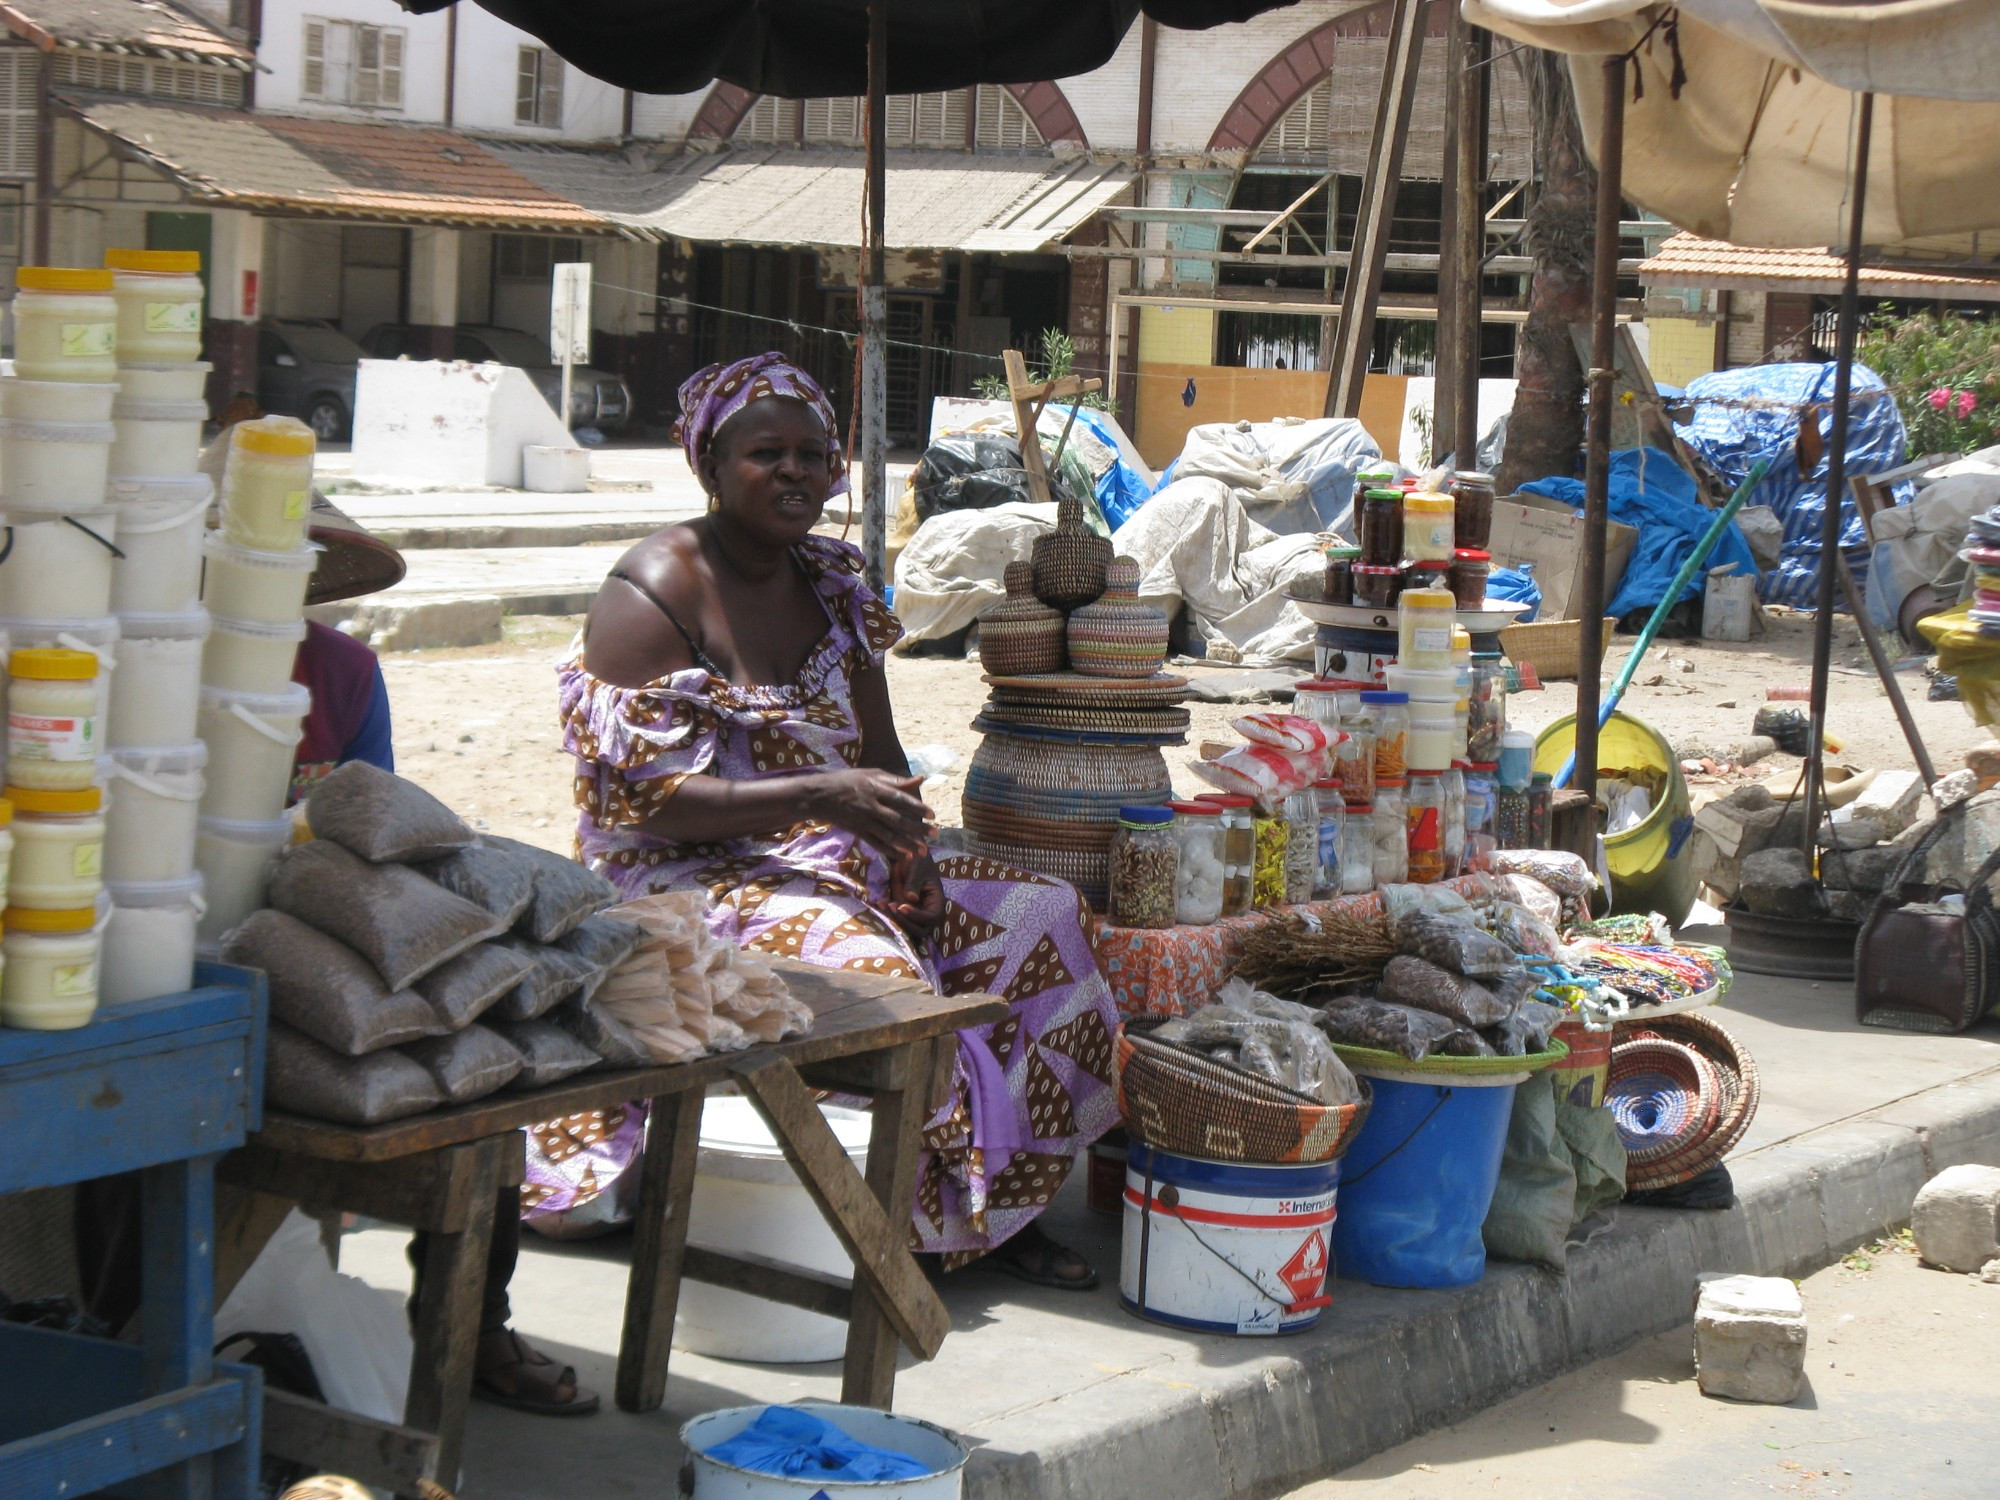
(1394, 1365)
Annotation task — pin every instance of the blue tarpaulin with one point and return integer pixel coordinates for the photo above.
(1519, 586)
(1121, 489)
(1652, 493)
(785, 1440)
(1757, 412)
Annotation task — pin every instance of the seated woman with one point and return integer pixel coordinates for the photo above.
(730, 716)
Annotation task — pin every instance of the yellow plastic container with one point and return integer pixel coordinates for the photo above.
(1428, 521)
(267, 484)
(65, 325)
(159, 298)
(50, 980)
(1651, 869)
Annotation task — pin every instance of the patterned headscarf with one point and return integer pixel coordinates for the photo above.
(713, 395)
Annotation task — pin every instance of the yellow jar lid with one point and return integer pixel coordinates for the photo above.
(6, 812)
(160, 262)
(22, 919)
(61, 279)
(34, 799)
(52, 664)
(283, 436)
(1426, 500)
(1427, 599)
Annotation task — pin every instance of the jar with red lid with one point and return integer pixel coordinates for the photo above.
(1377, 587)
(1470, 567)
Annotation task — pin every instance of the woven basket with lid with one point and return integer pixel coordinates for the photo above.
(1117, 636)
(1021, 636)
(1070, 561)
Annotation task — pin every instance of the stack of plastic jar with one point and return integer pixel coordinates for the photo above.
(1200, 877)
(1392, 833)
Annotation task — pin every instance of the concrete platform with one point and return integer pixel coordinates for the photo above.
(1064, 1394)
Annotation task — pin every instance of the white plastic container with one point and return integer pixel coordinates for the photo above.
(747, 1198)
(65, 325)
(149, 939)
(153, 700)
(156, 438)
(1439, 687)
(707, 1478)
(155, 380)
(53, 466)
(242, 583)
(159, 295)
(248, 656)
(60, 565)
(50, 982)
(234, 858)
(56, 400)
(549, 470)
(267, 484)
(161, 523)
(58, 861)
(1431, 744)
(97, 636)
(149, 831)
(251, 739)
(54, 719)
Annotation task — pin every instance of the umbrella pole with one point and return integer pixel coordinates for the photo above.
(1836, 472)
(1597, 438)
(874, 393)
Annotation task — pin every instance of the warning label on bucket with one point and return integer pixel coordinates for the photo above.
(1305, 1273)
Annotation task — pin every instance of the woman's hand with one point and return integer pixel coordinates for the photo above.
(878, 806)
(916, 895)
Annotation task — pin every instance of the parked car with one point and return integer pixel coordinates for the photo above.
(306, 369)
(597, 398)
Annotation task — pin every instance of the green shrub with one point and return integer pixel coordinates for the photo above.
(1944, 371)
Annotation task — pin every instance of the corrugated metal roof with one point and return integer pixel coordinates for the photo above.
(132, 24)
(1688, 260)
(937, 200)
(346, 168)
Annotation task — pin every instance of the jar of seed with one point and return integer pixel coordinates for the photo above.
(1145, 859)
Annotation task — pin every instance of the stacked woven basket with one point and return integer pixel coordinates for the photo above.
(1078, 713)
(1683, 1092)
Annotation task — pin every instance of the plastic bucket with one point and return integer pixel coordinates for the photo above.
(59, 565)
(153, 699)
(160, 527)
(1420, 1178)
(1651, 869)
(1584, 1075)
(235, 863)
(241, 583)
(748, 1198)
(56, 400)
(251, 739)
(177, 380)
(149, 829)
(156, 439)
(149, 941)
(1226, 1247)
(706, 1478)
(49, 466)
(249, 656)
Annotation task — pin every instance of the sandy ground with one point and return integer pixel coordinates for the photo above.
(477, 726)
(1897, 1358)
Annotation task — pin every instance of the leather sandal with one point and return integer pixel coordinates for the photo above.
(509, 1371)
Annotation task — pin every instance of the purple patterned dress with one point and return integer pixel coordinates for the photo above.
(1029, 1092)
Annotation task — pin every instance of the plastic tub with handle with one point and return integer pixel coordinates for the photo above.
(235, 859)
(59, 564)
(153, 700)
(56, 400)
(163, 380)
(704, 1477)
(51, 466)
(150, 938)
(160, 527)
(248, 656)
(252, 739)
(1651, 867)
(156, 438)
(243, 583)
(149, 831)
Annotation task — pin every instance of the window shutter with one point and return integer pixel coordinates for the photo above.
(367, 65)
(19, 96)
(391, 86)
(957, 116)
(549, 110)
(901, 117)
(527, 85)
(313, 84)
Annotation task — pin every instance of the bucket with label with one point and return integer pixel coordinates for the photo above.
(1226, 1247)
(252, 739)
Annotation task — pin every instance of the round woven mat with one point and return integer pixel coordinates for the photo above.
(1664, 1097)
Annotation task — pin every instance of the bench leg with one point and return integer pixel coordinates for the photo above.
(659, 1246)
(177, 1317)
(868, 1376)
(447, 1324)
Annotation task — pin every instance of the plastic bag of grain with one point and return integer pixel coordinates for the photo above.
(325, 989)
(380, 816)
(400, 922)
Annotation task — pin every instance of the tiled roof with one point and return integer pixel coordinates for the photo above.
(1688, 260)
(145, 25)
(346, 168)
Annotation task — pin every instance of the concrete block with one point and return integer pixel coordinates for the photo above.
(1891, 800)
(1750, 1338)
(414, 624)
(1779, 883)
(1867, 871)
(1984, 763)
(1954, 789)
(1956, 1218)
(1848, 829)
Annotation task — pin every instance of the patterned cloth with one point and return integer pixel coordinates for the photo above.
(1029, 1092)
(715, 393)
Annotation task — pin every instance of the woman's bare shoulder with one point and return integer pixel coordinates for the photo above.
(629, 640)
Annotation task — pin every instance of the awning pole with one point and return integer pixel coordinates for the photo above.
(1597, 438)
(1468, 189)
(874, 393)
(1836, 471)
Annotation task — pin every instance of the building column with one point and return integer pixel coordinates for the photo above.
(236, 287)
(434, 285)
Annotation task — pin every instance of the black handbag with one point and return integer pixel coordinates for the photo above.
(1932, 971)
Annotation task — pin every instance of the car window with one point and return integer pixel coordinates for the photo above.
(269, 346)
(512, 347)
(322, 345)
(465, 346)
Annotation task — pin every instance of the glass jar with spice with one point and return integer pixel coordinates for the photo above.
(1423, 821)
(1239, 850)
(1452, 783)
(1510, 817)
(1145, 859)
(1470, 568)
(1541, 800)
(1392, 732)
(1379, 524)
(1472, 496)
(1198, 879)
(1486, 707)
(1392, 833)
(1332, 803)
(1272, 836)
(1354, 756)
(1479, 813)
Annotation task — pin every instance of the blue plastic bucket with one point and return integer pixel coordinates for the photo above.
(1420, 1177)
(1226, 1247)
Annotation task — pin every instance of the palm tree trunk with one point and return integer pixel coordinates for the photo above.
(1545, 432)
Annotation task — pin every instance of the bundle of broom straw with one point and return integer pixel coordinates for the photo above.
(1300, 950)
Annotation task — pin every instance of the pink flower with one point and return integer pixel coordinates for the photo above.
(1939, 398)
(1962, 404)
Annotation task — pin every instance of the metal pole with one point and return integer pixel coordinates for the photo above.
(1597, 439)
(1468, 191)
(1836, 472)
(874, 394)
(1886, 670)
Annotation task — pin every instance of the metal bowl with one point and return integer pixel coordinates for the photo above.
(1497, 614)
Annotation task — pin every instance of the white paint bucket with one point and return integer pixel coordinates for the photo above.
(251, 739)
(149, 830)
(748, 1199)
(249, 656)
(234, 858)
(1226, 1247)
(160, 526)
(59, 564)
(49, 466)
(705, 1478)
(242, 583)
(56, 400)
(156, 438)
(149, 941)
(153, 699)
(149, 380)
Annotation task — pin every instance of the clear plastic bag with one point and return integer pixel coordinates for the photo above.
(393, 917)
(1400, 900)
(1455, 945)
(325, 989)
(1384, 1026)
(1527, 1030)
(461, 990)
(1562, 872)
(304, 1078)
(549, 1054)
(1276, 1039)
(1418, 982)
(1523, 931)
(489, 878)
(565, 892)
(1526, 891)
(469, 1064)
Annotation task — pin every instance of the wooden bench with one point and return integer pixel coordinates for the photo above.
(885, 1038)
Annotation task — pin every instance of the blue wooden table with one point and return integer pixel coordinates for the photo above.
(163, 1087)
